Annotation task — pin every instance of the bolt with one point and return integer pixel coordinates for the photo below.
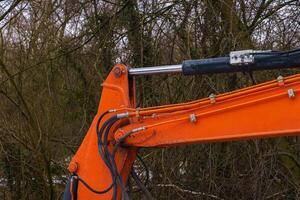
(118, 72)
(193, 118)
(73, 167)
(291, 93)
(212, 98)
(280, 78)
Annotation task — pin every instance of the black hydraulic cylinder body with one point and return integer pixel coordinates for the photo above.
(262, 61)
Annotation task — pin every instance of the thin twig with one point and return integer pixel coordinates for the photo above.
(189, 191)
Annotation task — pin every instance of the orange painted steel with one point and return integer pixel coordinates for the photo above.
(266, 110)
(252, 89)
(87, 162)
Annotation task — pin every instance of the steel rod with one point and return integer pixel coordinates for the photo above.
(155, 70)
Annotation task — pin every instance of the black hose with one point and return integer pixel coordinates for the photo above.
(111, 159)
(99, 134)
(90, 188)
(141, 185)
(146, 169)
(102, 148)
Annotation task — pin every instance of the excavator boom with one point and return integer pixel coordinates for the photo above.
(103, 162)
(267, 110)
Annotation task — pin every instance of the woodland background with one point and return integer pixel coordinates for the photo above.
(54, 54)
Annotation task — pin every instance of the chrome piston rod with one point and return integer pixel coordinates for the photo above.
(155, 70)
(238, 61)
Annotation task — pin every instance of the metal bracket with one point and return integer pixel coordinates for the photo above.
(291, 93)
(212, 98)
(280, 80)
(241, 57)
(193, 118)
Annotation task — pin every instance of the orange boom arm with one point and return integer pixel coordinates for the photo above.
(267, 110)
(103, 162)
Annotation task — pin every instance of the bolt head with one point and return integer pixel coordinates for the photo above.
(193, 118)
(280, 78)
(291, 93)
(73, 167)
(118, 72)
